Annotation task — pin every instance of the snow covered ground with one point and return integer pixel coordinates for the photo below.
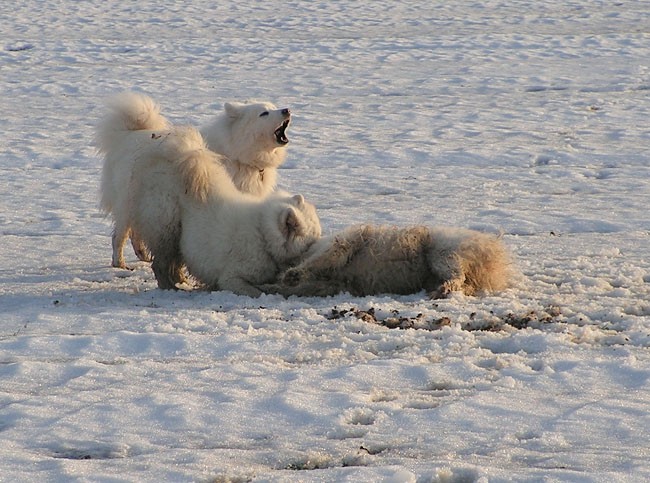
(530, 118)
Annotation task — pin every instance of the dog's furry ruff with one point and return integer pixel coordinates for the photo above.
(245, 135)
(188, 211)
(370, 260)
(131, 121)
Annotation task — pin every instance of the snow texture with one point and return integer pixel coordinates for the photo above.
(526, 118)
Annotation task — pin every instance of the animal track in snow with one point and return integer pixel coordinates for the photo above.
(354, 423)
(436, 394)
(89, 451)
(359, 416)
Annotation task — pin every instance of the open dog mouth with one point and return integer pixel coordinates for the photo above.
(281, 133)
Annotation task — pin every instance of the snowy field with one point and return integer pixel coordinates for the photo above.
(527, 118)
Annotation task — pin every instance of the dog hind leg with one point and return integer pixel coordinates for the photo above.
(168, 271)
(167, 264)
(140, 248)
(120, 234)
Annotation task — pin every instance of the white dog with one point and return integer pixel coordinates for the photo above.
(252, 136)
(371, 260)
(189, 212)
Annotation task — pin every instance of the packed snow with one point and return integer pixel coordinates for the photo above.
(529, 119)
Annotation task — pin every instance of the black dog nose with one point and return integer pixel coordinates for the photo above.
(286, 111)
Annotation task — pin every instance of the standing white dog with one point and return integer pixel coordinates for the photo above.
(252, 136)
(371, 260)
(189, 212)
(131, 121)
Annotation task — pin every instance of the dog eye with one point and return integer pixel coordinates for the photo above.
(265, 113)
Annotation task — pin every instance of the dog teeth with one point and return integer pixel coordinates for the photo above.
(280, 135)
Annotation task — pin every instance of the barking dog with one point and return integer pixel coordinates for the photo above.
(253, 138)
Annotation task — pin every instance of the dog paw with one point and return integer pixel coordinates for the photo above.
(272, 288)
(122, 265)
(293, 276)
(446, 289)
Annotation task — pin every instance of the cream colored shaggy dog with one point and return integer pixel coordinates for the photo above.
(188, 211)
(252, 136)
(369, 260)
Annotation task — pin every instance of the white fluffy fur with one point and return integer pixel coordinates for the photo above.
(237, 245)
(131, 121)
(254, 152)
(246, 134)
(188, 211)
(371, 260)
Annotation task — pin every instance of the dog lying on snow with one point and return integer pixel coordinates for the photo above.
(251, 135)
(370, 260)
(188, 211)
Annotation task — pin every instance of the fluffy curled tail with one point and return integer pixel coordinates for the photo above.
(201, 171)
(128, 111)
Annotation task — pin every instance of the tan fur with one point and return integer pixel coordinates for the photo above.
(371, 260)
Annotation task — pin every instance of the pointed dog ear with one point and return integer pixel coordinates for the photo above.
(299, 200)
(232, 109)
(291, 223)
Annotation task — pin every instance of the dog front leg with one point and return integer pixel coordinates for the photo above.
(238, 286)
(335, 255)
(447, 268)
(306, 288)
(277, 288)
